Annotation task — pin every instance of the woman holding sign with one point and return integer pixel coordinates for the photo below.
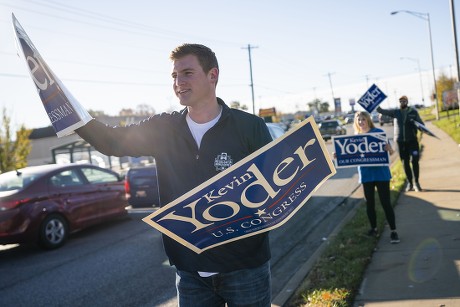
(373, 177)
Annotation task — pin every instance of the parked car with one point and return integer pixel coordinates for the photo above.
(141, 186)
(375, 117)
(328, 128)
(385, 119)
(44, 204)
(349, 118)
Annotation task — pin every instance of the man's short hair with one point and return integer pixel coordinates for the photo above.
(206, 57)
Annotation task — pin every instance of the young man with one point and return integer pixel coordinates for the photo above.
(408, 146)
(185, 146)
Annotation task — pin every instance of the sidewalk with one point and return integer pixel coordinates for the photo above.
(424, 268)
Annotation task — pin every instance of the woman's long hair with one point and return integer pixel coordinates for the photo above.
(367, 117)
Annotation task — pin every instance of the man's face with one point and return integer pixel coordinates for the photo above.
(403, 103)
(191, 84)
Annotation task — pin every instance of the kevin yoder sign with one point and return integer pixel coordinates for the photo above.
(361, 150)
(372, 98)
(64, 111)
(259, 193)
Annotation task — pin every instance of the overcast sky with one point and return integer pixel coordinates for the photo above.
(114, 54)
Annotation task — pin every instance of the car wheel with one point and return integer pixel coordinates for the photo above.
(53, 232)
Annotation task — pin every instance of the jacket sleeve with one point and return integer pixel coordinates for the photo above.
(132, 140)
(386, 112)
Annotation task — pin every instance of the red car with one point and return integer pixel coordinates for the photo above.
(44, 204)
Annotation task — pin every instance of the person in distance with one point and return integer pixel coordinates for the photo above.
(408, 145)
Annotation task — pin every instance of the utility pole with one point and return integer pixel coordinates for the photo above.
(332, 90)
(367, 80)
(454, 27)
(249, 47)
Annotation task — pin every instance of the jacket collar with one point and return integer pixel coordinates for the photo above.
(225, 110)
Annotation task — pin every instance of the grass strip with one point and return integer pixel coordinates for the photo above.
(337, 276)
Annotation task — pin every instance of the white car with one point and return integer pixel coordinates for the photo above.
(275, 130)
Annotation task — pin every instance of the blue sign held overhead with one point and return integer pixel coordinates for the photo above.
(372, 98)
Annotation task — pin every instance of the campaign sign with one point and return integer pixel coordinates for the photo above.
(372, 98)
(424, 129)
(64, 111)
(361, 150)
(259, 193)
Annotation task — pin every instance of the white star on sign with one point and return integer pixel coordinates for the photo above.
(260, 212)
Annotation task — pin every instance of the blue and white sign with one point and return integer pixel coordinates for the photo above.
(259, 193)
(64, 111)
(372, 98)
(338, 105)
(424, 129)
(361, 150)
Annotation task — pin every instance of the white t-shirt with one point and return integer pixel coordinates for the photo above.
(198, 130)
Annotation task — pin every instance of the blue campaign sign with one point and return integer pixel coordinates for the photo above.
(361, 150)
(424, 129)
(372, 98)
(64, 112)
(259, 193)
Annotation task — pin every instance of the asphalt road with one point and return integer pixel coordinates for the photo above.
(122, 263)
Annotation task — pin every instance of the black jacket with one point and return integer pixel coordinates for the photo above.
(182, 166)
(407, 131)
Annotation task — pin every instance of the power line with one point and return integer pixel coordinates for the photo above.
(109, 22)
(8, 75)
(13, 75)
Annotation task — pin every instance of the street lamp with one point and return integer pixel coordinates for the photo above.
(420, 74)
(426, 17)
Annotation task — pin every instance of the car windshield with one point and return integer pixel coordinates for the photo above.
(16, 180)
(328, 124)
